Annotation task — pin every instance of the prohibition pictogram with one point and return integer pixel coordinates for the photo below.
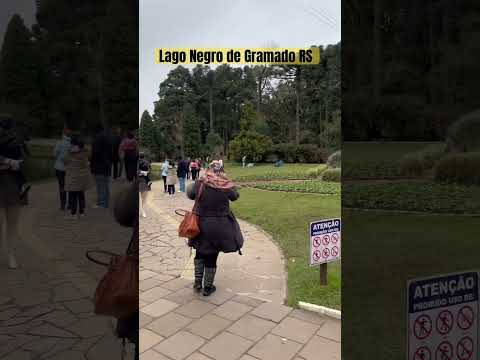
(334, 251)
(444, 351)
(422, 327)
(465, 348)
(316, 241)
(334, 237)
(422, 353)
(465, 317)
(444, 322)
(326, 240)
(326, 253)
(316, 255)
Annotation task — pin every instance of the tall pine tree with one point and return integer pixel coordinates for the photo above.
(191, 130)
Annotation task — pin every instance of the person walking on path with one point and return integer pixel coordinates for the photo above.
(129, 149)
(194, 169)
(144, 183)
(182, 171)
(219, 229)
(116, 141)
(101, 167)
(77, 177)
(165, 166)
(10, 203)
(60, 150)
(244, 160)
(171, 179)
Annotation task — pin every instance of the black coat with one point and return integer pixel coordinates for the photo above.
(101, 159)
(182, 169)
(219, 230)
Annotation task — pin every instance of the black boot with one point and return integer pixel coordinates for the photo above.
(209, 277)
(199, 269)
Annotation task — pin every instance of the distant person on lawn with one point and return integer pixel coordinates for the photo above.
(219, 230)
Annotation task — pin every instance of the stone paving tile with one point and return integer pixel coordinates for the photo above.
(226, 346)
(252, 327)
(308, 316)
(330, 350)
(180, 345)
(154, 294)
(159, 308)
(169, 324)
(273, 347)
(271, 311)
(195, 309)
(153, 355)
(208, 326)
(183, 296)
(331, 330)
(295, 329)
(198, 356)
(232, 310)
(148, 339)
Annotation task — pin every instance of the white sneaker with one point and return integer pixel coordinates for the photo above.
(12, 262)
(144, 215)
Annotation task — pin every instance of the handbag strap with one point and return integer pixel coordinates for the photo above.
(198, 196)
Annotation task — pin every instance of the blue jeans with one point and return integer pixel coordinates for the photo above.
(181, 182)
(103, 190)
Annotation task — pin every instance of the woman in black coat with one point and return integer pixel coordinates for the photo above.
(219, 230)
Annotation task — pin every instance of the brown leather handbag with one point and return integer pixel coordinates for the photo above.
(117, 292)
(189, 227)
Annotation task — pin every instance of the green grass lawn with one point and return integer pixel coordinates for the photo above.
(376, 159)
(286, 216)
(307, 186)
(383, 252)
(412, 196)
(261, 171)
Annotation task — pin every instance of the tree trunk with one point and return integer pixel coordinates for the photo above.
(377, 52)
(297, 107)
(96, 55)
(210, 104)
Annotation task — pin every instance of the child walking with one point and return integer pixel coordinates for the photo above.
(77, 177)
(171, 179)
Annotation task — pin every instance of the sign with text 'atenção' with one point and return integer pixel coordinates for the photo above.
(443, 317)
(325, 239)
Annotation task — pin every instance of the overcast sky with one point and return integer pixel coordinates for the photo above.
(25, 8)
(220, 23)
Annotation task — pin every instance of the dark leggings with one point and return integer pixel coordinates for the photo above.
(76, 198)
(61, 187)
(171, 189)
(209, 259)
(164, 183)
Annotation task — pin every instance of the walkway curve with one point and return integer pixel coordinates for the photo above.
(259, 273)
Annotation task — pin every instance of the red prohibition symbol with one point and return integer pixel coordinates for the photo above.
(326, 240)
(334, 238)
(422, 353)
(444, 322)
(316, 255)
(444, 351)
(422, 327)
(316, 241)
(465, 317)
(465, 348)
(334, 251)
(326, 253)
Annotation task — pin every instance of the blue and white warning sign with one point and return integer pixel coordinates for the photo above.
(443, 317)
(325, 236)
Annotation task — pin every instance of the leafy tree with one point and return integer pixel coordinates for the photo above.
(191, 132)
(147, 130)
(251, 144)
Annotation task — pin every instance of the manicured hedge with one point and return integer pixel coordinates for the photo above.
(462, 168)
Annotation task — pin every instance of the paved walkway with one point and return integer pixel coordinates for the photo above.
(245, 319)
(46, 307)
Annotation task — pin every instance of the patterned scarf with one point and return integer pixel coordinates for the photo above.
(216, 178)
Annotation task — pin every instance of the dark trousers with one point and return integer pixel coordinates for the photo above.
(76, 199)
(164, 183)
(194, 174)
(61, 187)
(130, 167)
(116, 168)
(210, 260)
(171, 189)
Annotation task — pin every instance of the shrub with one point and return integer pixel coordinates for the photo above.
(249, 143)
(332, 175)
(303, 153)
(415, 164)
(462, 136)
(316, 172)
(461, 168)
(335, 160)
